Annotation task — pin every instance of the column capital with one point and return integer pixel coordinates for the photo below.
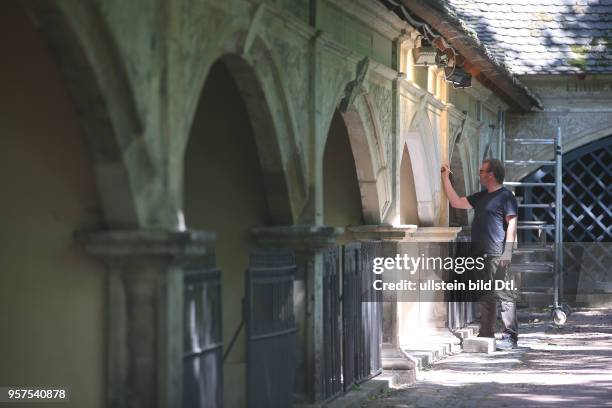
(382, 232)
(310, 238)
(147, 243)
(433, 234)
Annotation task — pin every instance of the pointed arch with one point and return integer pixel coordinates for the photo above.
(424, 149)
(370, 161)
(260, 84)
(97, 83)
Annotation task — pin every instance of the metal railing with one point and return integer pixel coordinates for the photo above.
(203, 342)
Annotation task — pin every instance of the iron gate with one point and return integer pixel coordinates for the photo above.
(331, 364)
(460, 307)
(271, 330)
(202, 340)
(371, 305)
(587, 176)
(361, 314)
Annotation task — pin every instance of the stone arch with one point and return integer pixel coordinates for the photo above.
(423, 145)
(370, 162)
(97, 83)
(225, 191)
(54, 290)
(586, 137)
(257, 76)
(571, 142)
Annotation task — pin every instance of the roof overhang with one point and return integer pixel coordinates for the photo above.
(479, 62)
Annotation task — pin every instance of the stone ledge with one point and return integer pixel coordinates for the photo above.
(382, 232)
(118, 243)
(433, 234)
(306, 237)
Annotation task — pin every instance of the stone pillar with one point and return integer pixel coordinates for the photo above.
(145, 311)
(393, 359)
(308, 243)
(428, 319)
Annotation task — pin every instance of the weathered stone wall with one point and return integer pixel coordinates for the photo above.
(295, 64)
(580, 107)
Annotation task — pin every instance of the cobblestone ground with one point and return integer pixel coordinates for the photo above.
(569, 366)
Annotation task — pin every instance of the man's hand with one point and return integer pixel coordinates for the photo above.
(445, 170)
(505, 259)
(451, 194)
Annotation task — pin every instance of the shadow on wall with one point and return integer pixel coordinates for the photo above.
(52, 295)
(341, 195)
(457, 216)
(408, 199)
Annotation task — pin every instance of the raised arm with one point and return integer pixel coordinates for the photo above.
(453, 197)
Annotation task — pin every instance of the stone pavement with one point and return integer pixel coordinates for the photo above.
(570, 366)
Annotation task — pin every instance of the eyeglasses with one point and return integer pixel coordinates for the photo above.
(484, 171)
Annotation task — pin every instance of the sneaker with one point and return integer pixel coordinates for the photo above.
(506, 343)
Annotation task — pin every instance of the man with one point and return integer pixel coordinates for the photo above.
(493, 237)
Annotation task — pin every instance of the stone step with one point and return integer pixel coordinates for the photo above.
(479, 345)
(533, 267)
(431, 349)
(464, 333)
(397, 366)
(532, 249)
(398, 378)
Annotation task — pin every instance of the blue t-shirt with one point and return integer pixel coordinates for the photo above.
(489, 225)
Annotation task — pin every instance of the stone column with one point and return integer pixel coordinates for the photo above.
(145, 311)
(308, 243)
(393, 359)
(430, 319)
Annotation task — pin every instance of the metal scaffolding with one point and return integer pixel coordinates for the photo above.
(532, 260)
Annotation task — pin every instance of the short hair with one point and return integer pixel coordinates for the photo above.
(497, 168)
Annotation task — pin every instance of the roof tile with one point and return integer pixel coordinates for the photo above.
(552, 36)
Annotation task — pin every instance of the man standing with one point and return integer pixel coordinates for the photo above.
(493, 237)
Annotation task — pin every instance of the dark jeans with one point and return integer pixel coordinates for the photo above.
(488, 316)
(488, 302)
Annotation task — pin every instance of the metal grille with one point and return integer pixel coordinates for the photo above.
(331, 364)
(587, 216)
(460, 308)
(372, 303)
(203, 344)
(271, 330)
(362, 314)
(587, 197)
(351, 311)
